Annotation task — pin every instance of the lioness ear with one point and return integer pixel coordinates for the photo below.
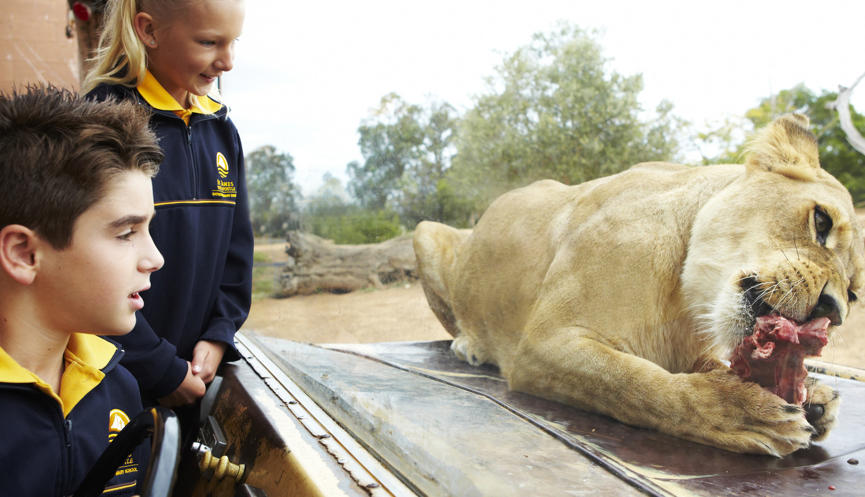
(786, 147)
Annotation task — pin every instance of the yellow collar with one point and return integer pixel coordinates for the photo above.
(159, 98)
(85, 356)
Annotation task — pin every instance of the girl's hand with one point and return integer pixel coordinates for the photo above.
(190, 390)
(206, 357)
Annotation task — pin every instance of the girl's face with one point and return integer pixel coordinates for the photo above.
(195, 46)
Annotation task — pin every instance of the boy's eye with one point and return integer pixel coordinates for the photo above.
(207, 43)
(126, 235)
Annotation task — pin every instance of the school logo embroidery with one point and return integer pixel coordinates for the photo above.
(117, 419)
(224, 187)
(221, 165)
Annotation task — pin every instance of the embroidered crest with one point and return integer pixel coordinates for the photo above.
(221, 165)
(117, 419)
(224, 187)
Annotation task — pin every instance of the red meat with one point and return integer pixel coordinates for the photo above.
(774, 355)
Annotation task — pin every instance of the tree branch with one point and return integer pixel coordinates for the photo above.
(842, 105)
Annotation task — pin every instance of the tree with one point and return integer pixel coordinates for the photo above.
(553, 110)
(273, 195)
(389, 142)
(722, 142)
(407, 151)
(330, 199)
(330, 214)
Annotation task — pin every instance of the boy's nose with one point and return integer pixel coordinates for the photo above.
(152, 259)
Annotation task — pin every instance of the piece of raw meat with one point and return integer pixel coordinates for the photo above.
(774, 355)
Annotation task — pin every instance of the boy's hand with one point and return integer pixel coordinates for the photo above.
(206, 357)
(190, 390)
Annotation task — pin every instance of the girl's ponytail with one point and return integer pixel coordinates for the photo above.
(120, 57)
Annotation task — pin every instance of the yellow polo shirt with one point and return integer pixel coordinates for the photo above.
(84, 358)
(159, 98)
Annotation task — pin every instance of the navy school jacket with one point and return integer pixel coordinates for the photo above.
(49, 442)
(202, 228)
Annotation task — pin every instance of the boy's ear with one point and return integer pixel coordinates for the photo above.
(145, 29)
(18, 246)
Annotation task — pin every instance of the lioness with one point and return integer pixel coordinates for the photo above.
(626, 295)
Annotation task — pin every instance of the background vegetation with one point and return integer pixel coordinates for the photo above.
(552, 109)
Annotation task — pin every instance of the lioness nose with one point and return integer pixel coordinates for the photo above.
(827, 307)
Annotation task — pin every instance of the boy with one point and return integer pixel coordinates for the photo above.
(75, 252)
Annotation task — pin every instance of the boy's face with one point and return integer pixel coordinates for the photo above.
(93, 285)
(195, 48)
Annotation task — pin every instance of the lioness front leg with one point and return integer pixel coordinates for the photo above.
(714, 407)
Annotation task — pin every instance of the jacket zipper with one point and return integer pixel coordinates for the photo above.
(67, 453)
(192, 160)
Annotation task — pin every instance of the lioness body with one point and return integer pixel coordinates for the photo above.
(624, 294)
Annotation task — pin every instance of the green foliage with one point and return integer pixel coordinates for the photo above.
(389, 142)
(260, 257)
(722, 144)
(836, 155)
(407, 151)
(263, 276)
(553, 110)
(330, 200)
(356, 226)
(797, 99)
(273, 195)
(329, 214)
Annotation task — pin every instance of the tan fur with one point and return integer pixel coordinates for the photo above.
(624, 294)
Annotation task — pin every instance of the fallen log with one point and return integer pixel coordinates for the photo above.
(316, 264)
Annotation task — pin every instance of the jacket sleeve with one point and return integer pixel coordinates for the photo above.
(151, 359)
(235, 290)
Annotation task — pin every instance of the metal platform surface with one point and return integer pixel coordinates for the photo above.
(449, 428)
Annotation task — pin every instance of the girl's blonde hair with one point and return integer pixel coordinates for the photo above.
(121, 57)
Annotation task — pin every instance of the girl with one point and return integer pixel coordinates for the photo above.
(166, 55)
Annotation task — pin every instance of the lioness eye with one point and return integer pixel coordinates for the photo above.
(822, 225)
(851, 297)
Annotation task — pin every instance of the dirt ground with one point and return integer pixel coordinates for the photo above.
(400, 313)
(397, 313)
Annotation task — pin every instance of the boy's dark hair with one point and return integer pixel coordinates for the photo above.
(57, 152)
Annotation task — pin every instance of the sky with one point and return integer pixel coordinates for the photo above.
(307, 73)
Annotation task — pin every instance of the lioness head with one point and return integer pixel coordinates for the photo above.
(782, 238)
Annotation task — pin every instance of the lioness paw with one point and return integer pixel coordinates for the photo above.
(467, 349)
(821, 408)
(744, 417)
